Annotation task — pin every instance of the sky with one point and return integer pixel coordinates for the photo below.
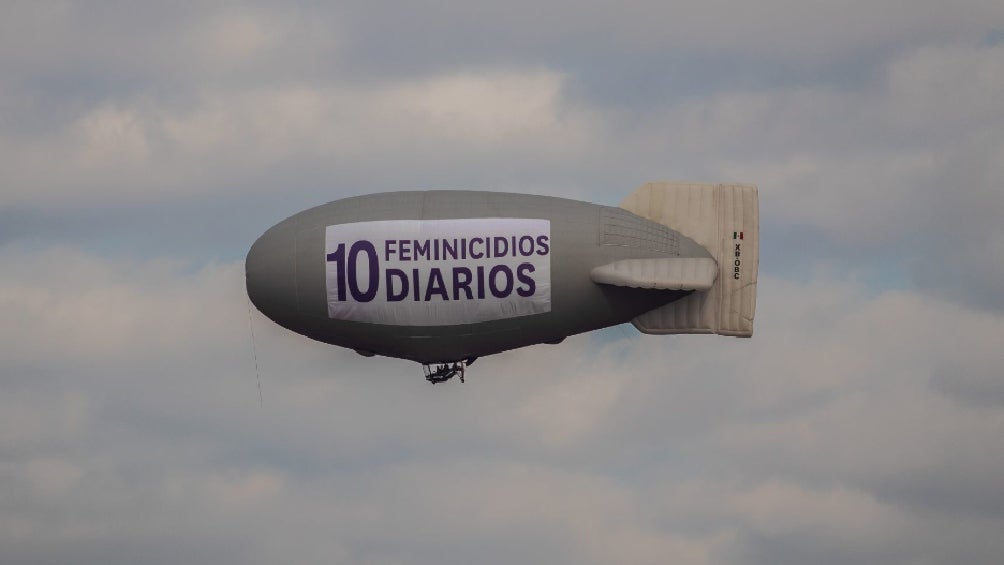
(145, 145)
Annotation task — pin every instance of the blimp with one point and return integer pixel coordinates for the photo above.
(444, 277)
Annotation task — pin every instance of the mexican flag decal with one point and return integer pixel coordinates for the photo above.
(737, 235)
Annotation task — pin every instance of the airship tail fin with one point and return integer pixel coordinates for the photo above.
(724, 219)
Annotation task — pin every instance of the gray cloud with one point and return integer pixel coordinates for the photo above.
(143, 147)
(826, 435)
(902, 165)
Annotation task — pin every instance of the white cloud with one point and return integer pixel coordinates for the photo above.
(858, 425)
(91, 309)
(144, 151)
(782, 31)
(238, 37)
(827, 433)
(862, 166)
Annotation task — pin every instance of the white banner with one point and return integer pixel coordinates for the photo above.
(438, 272)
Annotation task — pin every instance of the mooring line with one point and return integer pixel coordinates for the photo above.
(254, 353)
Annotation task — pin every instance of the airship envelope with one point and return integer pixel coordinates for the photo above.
(445, 277)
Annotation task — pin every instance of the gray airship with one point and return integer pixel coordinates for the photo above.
(445, 277)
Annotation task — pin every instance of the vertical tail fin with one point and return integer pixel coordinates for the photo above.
(724, 219)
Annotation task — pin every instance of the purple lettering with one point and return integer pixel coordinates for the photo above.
(501, 247)
(339, 258)
(493, 279)
(449, 251)
(479, 241)
(436, 285)
(521, 274)
(421, 250)
(523, 249)
(465, 283)
(401, 276)
(373, 271)
(543, 245)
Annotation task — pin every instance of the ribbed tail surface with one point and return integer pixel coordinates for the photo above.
(724, 219)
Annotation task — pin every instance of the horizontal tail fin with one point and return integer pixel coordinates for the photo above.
(724, 219)
(672, 273)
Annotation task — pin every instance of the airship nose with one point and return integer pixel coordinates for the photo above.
(269, 272)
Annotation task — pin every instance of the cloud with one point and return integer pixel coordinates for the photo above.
(832, 433)
(780, 31)
(143, 147)
(145, 152)
(899, 166)
(140, 310)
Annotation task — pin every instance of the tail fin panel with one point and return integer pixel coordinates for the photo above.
(724, 219)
